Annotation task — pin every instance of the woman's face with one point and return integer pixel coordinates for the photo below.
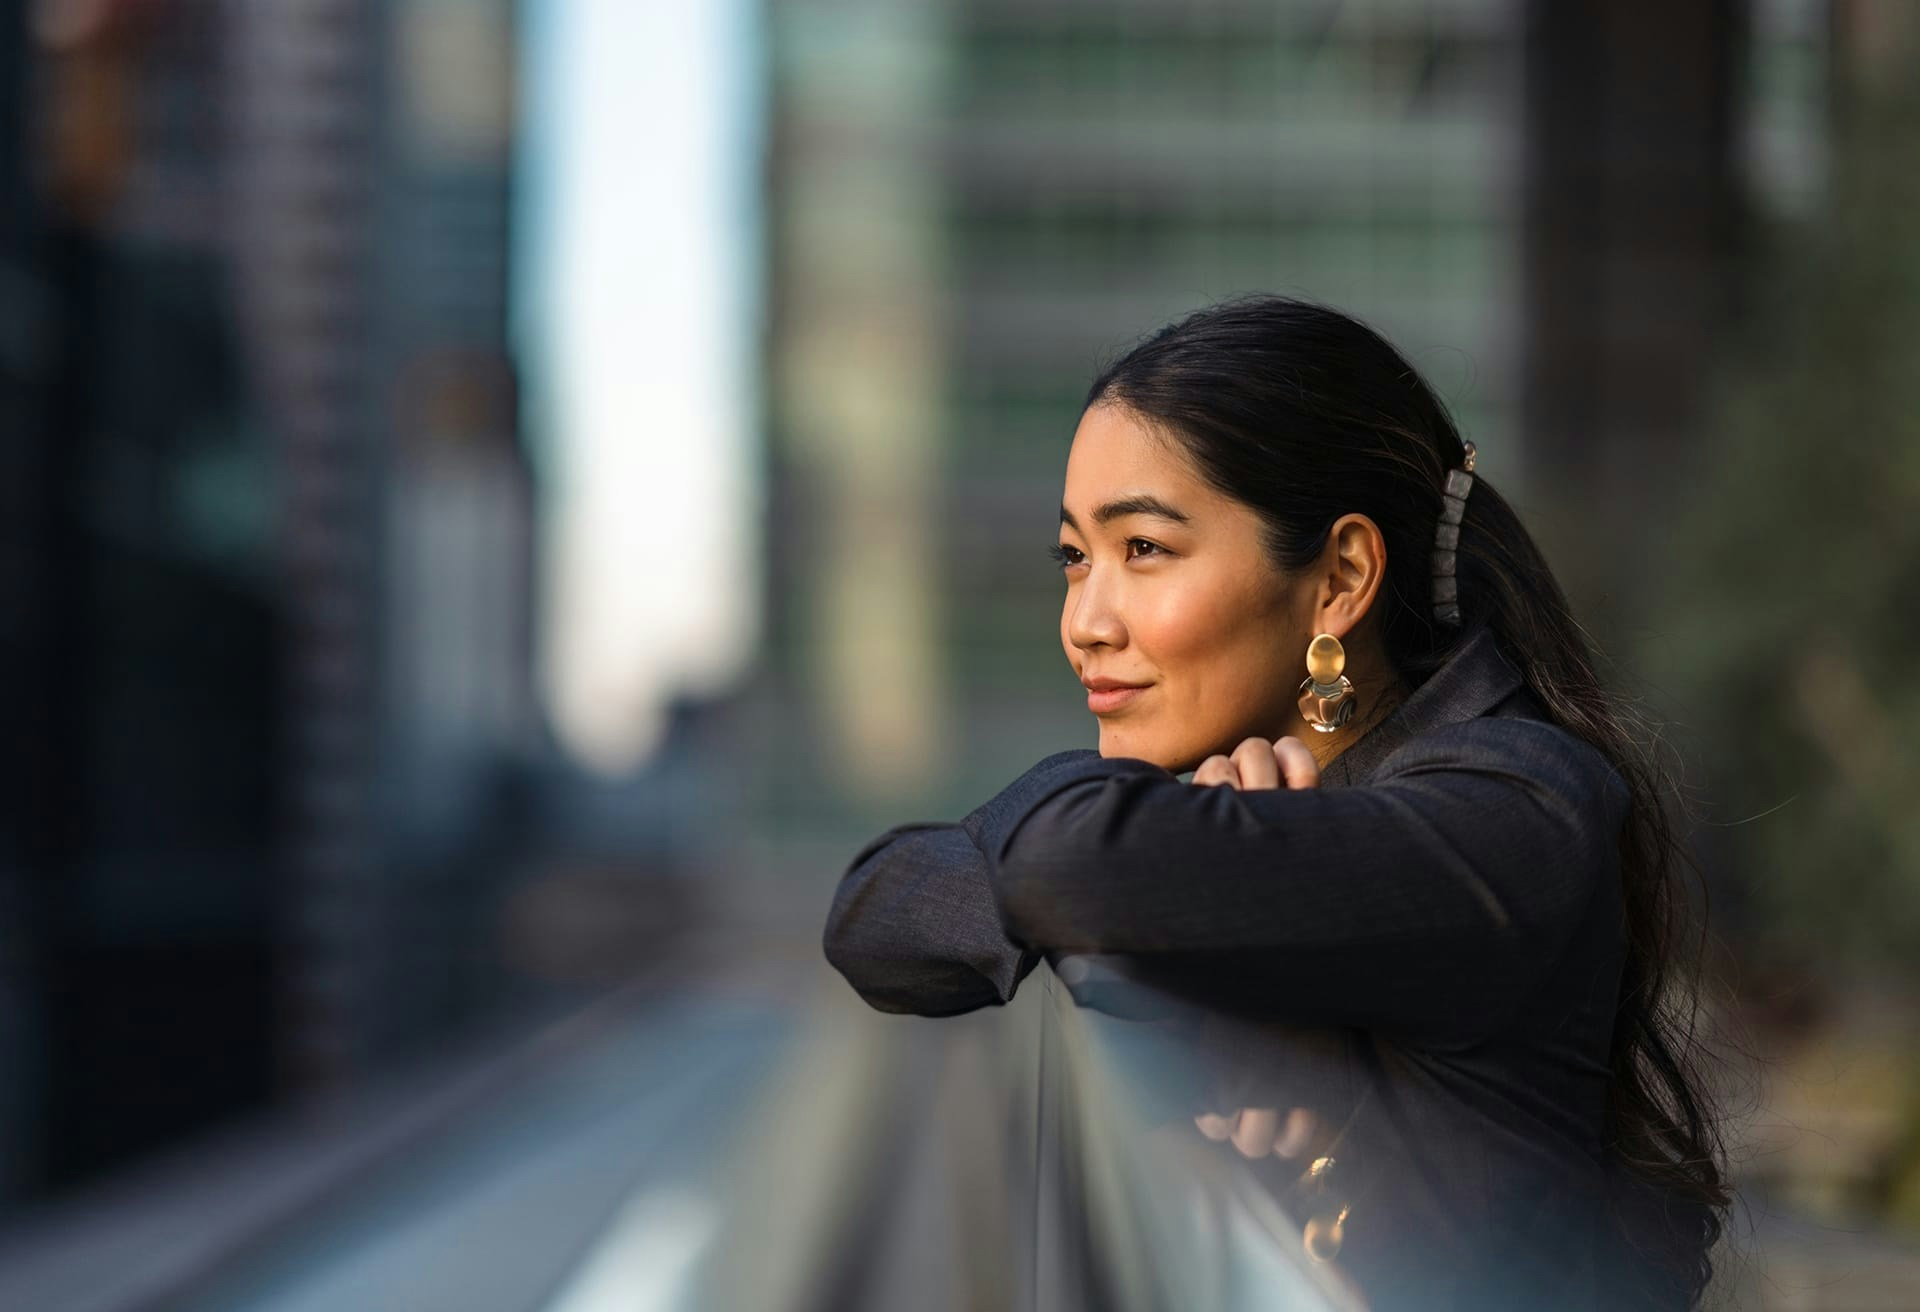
(1169, 587)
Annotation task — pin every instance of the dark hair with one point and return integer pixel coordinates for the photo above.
(1304, 414)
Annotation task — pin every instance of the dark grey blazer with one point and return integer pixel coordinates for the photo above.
(1445, 908)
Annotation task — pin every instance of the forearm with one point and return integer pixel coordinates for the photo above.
(1428, 899)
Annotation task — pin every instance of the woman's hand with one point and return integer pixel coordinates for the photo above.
(1257, 1131)
(1257, 763)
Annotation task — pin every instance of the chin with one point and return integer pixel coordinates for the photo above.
(1122, 744)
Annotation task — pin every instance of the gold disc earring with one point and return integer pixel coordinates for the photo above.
(1326, 695)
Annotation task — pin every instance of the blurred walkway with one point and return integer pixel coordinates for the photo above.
(481, 1185)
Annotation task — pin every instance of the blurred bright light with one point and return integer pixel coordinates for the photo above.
(646, 1260)
(636, 311)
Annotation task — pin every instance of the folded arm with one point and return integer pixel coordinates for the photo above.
(1426, 900)
(914, 927)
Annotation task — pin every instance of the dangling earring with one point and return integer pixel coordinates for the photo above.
(1326, 695)
(1324, 1234)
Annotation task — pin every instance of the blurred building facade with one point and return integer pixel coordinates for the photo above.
(269, 538)
(374, 176)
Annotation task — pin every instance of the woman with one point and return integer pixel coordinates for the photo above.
(1416, 821)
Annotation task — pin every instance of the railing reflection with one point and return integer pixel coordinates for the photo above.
(1044, 1155)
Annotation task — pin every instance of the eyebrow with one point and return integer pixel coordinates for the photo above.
(1140, 504)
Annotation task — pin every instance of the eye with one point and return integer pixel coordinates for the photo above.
(1065, 555)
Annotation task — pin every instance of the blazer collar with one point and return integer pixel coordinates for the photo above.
(1472, 681)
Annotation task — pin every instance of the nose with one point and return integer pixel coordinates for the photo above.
(1095, 618)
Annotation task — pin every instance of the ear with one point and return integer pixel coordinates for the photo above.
(1352, 567)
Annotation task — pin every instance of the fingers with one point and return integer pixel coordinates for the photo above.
(1299, 1132)
(1257, 1131)
(1296, 763)
(1258, 1128)
(1216, 770)
(1215, 1126)
(1257, 763)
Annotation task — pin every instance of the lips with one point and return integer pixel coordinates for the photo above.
(1104, 682)
(1105, 696)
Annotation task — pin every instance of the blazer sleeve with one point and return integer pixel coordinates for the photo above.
(914, 927)
(1426, 901)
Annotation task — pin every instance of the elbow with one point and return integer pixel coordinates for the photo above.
(843, 945)
(836, 949)
(866, 975)
(911, 988)
(857, 937)
(863, 969)
(838, 937)
(898, 977)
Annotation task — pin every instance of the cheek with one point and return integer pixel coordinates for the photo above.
(1187, 629)
(1222, 656)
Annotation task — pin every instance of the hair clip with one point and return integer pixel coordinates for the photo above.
(1446, 538)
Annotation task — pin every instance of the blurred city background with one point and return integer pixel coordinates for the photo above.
(503, 497)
